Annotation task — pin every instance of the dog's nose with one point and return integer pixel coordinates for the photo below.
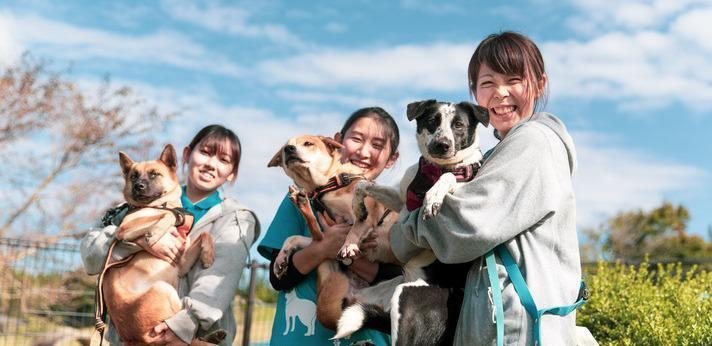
(290, 149)
(139, 186)
(442, 147)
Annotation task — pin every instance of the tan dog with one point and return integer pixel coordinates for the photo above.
(314, 164)
(142, 293)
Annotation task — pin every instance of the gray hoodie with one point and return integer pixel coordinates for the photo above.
(522, 197)
(207, 294)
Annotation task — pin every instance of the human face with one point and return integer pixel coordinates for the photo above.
(207, 171)
(507, 97)
(366, 146)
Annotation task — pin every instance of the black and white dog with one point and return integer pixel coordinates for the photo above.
(424, 310)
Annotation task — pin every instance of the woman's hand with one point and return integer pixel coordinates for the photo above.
(364, 268)
(165, 336)
(167, 248)
(335, 232)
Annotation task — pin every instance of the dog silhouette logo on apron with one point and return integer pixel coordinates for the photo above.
(300, 309)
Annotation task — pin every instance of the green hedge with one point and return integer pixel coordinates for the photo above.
(648, 305)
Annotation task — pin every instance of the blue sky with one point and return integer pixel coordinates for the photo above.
(631, 79)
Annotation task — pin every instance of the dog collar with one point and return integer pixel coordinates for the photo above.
(336, 182)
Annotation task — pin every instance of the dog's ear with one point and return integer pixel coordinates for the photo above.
(168, 157)
(331, 143)
(480, 113)
(125, 162)
(416, 109)
(276, 159)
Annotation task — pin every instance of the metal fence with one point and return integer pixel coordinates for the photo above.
(47, 299)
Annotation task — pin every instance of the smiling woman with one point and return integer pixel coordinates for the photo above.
(212, 158)
(508, 78)
(518, 212)
(370, 141)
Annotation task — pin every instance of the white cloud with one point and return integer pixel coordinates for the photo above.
(335, 27)
(696, 27)
(437, 66)
(332, 98)
(610, 179)
(58, 39)
(595, 16)
(231, 19)
(431, 7)
(10, 48)
(642, 70)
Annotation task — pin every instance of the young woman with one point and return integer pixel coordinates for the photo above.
(370, 138)
(521, 202)
(212, 159)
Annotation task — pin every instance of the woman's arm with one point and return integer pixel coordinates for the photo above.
(517, 188)
(95, 246)
(213, 289)
(304, 261)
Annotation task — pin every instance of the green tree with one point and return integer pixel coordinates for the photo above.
(660, 232)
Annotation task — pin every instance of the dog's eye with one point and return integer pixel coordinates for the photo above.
(152, 175)
(134, 176)
(458, 124)
(308, 144)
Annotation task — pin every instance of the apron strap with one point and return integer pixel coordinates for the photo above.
(525, 297)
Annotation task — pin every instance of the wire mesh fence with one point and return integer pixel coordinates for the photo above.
(47, 299)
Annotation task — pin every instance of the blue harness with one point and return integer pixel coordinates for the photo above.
(520, 286)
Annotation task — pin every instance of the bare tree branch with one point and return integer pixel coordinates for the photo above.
(86, 130)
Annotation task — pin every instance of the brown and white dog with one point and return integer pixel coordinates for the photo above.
(141, 293)
(425, 309)
(314, 164)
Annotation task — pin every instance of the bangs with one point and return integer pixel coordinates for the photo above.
(215, 144)
(505, 57)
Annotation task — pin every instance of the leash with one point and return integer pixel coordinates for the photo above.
(383, 217)
(99, 302)
(525, 297)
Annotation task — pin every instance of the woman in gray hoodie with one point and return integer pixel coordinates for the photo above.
(212, 159)
(521, 200)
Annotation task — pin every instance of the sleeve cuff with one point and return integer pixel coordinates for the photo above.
(183, 326)
(403, 248)
(125, 249)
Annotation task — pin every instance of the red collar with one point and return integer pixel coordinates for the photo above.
(428, 174)
(336, 182)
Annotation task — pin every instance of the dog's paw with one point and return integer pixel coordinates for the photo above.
(431, 210)
(293, 192)
(297, 196)
(281, 263)
(432, 203)
(207, 256)
(360, 192)
(214, 337)
(433, 200)
(349, 251)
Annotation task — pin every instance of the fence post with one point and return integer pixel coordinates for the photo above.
(250, 304)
